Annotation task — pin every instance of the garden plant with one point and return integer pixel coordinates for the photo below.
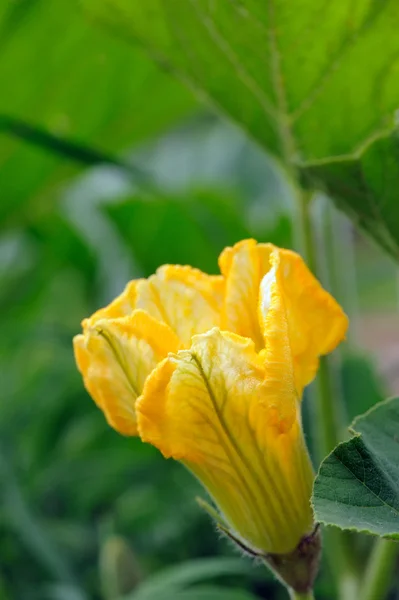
(137, 166)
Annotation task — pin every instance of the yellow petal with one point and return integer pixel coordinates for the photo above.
(236, 425)
(243, 267)
(115, 356)
(184, 298)
(316, 322)
(122, 306)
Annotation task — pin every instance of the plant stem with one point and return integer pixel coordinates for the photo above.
(379, 570)
(304, 230)
(327, 410)
(297, 596)
(341, 263)
(328, 415)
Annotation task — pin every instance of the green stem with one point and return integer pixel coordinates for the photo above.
(341, 263)
(328, 415)
(328, 419)
(304, 231)
(297, 596)
(379, 570)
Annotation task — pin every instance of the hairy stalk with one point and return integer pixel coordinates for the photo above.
(379, 570)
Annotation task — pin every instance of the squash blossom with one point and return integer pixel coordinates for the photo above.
(211, 370)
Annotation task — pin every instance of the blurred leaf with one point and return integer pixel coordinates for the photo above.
(208, 593)
(63, 592)
(362, 387)
(28, 528)
(175, 579)
(79, 91)
(62, 245)
(357, 486)
(295, 78)
(119, 570)
(190, 229)
(66, 148)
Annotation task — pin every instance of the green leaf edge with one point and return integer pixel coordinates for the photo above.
(351, 429)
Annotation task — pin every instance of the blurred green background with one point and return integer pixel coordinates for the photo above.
(109, 168)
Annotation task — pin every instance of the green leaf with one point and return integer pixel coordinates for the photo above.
(178, 578)
(357, 486)
(365, 187)
(75, 105)
(293, 75)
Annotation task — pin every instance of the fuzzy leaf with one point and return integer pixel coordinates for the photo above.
(357, 486)
(294, 76)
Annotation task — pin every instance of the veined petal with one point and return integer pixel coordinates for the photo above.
(115, 356)
(316, 322)
(218, 409)
(184, 298)
(243, 267)
(122, 306)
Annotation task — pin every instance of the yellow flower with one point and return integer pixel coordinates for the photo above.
(210, 370)
(122, 343)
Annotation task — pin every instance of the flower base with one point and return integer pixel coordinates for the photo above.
(299, 568)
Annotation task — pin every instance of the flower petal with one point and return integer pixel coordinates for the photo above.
(243, 267)
(115, 356)
(316, 322)
(184, 298)
(216, 408)
(122, 306)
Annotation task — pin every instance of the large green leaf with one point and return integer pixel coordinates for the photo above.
(293, 74)
(357, 486)
(68, 79)
(366, 187)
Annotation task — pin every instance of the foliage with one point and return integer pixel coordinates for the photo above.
(45, 108)
(295, 80)
(357, 485)
(108, 168)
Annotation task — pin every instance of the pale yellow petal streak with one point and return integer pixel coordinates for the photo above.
(209, 408)
(184, 298)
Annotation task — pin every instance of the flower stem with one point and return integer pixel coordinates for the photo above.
(379, 570)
